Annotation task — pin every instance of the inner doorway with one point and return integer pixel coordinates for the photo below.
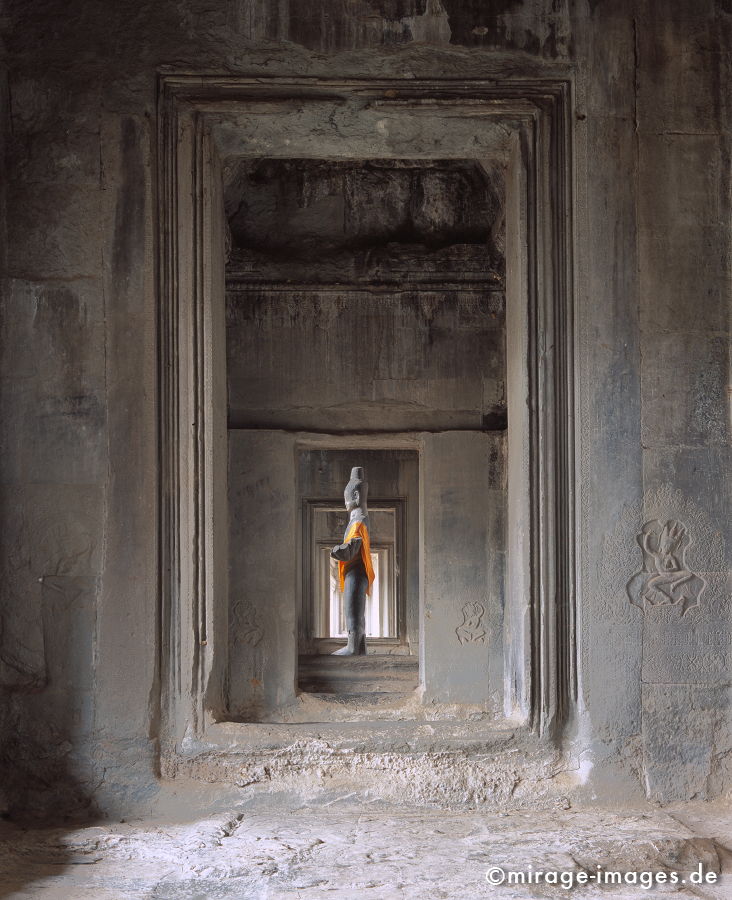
(365, 326)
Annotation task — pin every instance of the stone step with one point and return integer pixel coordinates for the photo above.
(382, 674)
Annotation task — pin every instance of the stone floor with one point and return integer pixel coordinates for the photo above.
(266, 848)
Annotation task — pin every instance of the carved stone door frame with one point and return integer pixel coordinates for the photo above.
(204, 118)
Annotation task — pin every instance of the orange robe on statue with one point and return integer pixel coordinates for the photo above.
(357, 530)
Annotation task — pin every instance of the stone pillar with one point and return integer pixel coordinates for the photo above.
(462, 526)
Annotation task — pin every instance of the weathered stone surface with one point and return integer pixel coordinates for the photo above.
(609, 438)
(684, 65)
(463, 526)
(697, 472)
(692, 164)
(297, 207)
(348, 24)
(689, 412)
(611, 66)
(435, 358)
(249, 850)
(69, 246)
(617, 646)
(683, 119)
(51, 531)
(649, 102)
(263, 566)
(679, 296)
(685, 729)
(435, 361)
(127, 608)
(42, 147)
(53, 383)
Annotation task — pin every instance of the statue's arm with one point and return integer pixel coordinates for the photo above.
(347, 552)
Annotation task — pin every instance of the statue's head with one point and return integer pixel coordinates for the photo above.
(356, 491)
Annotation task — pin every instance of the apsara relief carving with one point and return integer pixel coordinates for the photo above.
(471, 630)
(248, 629)
(665, 579)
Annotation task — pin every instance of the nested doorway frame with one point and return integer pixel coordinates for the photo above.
(200, 119)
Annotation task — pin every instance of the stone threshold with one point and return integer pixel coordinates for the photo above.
(357, 675)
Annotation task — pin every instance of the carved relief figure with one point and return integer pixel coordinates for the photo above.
(664, 579)
(471, 630)
(355, 569)
(248, 629)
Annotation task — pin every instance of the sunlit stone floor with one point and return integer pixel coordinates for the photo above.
(266, 848)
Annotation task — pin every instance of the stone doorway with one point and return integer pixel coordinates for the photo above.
(518, 129)
(365, 298)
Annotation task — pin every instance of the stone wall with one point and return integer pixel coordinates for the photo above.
(80, 596)
(433, 359)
